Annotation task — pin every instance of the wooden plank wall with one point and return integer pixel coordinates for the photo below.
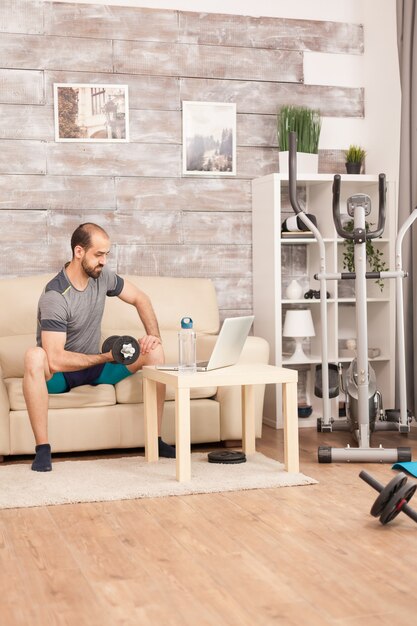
(160, 222)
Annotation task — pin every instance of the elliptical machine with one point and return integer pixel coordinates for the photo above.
(364, 410)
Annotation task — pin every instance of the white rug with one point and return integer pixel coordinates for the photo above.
(131, 477)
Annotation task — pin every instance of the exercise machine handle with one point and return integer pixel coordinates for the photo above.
(292, 184)
(292, 144)
(370, 234)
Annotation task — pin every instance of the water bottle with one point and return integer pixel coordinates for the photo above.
(187, 347)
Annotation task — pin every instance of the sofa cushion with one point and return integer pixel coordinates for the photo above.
(80, 397)
(12, 353)
(129, 391)
(171, 298)
(19, 298)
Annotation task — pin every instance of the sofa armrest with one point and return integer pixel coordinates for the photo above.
(255, 350)
(4, 418)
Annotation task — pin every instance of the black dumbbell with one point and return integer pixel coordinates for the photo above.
(125, 349)
(314, 293)
(393, 498)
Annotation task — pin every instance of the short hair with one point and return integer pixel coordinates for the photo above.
(82, 235)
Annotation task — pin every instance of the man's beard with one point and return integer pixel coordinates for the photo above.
(93, 272)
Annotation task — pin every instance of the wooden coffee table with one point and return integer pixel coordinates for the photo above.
(246, 376)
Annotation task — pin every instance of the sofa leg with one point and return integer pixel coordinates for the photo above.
(1, 458)
(232, 443)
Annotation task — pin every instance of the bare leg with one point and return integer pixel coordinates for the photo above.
(36, 373)
(36, 393)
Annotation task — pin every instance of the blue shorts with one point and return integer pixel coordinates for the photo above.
(104, 374)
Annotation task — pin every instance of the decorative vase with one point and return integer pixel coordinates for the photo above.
(306, 163)
(353, 168)
(294, 290)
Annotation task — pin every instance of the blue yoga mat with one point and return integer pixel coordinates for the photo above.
(408, 466)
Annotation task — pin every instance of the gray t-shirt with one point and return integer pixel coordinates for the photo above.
(63, 308)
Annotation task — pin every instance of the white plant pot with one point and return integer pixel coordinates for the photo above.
(306, 163)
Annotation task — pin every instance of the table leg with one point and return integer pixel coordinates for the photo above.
(150, 420)
(248, 419)
(182, 434)
(291, 452)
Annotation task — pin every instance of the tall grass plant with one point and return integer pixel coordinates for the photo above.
(305, 122)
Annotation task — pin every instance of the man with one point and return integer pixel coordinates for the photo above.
(69, 331)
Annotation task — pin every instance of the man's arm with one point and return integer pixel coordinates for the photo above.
(141, 301)
(61, 360)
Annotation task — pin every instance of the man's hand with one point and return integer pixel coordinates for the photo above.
(148, 343)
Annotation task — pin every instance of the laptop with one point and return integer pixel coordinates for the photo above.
(228, 347)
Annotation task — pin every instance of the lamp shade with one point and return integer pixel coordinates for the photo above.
(298, 323)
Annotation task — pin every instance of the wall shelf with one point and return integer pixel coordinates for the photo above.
(277, 260)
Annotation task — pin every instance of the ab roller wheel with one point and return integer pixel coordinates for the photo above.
(393, 498)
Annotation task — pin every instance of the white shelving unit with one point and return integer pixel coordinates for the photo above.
(270, 205)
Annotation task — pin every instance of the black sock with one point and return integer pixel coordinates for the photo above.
(42, 462)
(164, 449)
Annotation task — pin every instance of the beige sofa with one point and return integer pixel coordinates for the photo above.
(104, 417)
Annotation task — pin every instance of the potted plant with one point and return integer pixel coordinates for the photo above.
(306, 123)
(374, 257)
(355, 156)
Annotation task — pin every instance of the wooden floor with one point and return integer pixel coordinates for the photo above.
(305, 556)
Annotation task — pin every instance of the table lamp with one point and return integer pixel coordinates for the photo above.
(298, 324)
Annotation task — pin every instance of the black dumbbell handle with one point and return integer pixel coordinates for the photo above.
(378, 487)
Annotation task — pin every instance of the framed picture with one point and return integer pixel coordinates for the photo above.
(209, 138)
(91, 112)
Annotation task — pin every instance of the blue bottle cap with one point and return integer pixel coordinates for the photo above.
(186, 322)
